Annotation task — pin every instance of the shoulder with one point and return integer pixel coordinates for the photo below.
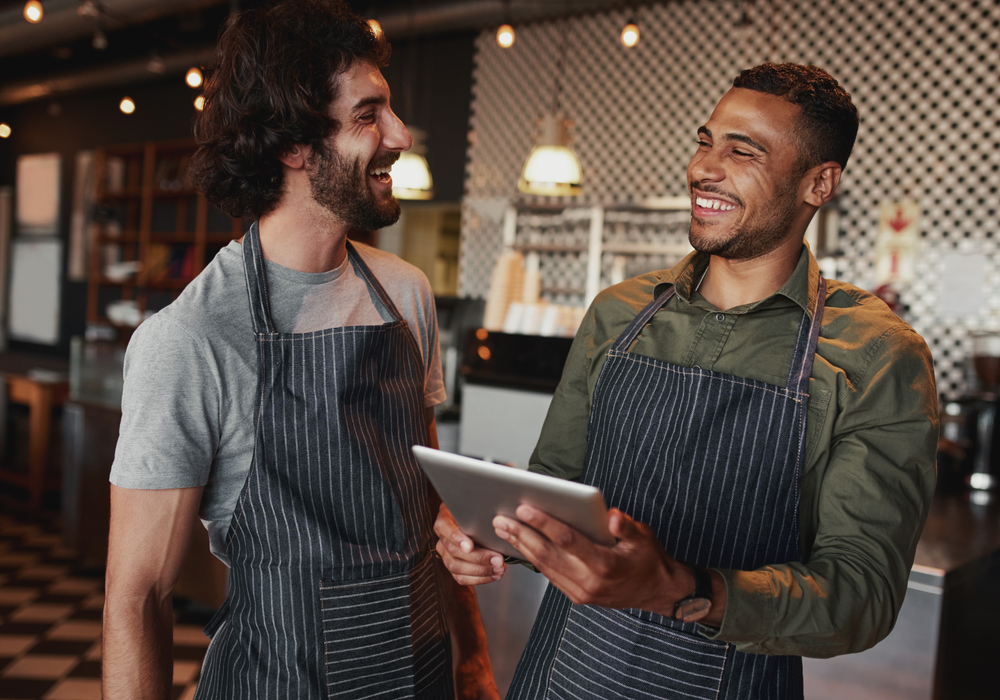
(391, 270)
(213, 299)
(860, 332)
(615, 306)
(212, 308)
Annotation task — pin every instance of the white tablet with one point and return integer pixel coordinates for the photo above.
(475, 491)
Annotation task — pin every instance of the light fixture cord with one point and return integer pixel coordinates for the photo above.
(560, 60)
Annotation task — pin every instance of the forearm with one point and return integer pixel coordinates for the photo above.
(468, 636)
(138, 646)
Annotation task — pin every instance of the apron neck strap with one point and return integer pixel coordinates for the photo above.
(630, 333)
(256, 279)
(805, 344)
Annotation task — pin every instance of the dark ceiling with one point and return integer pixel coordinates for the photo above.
(60, 55)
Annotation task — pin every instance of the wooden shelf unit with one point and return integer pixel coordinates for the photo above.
(137, 187)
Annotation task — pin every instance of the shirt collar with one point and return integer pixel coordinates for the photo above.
(800, 287)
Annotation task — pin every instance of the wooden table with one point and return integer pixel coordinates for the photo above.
(41, 386)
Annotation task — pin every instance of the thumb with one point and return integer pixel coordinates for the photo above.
(620, 525)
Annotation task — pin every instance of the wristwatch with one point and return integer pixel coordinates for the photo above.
(697, 605)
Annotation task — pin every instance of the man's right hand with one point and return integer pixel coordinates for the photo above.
(469, 565)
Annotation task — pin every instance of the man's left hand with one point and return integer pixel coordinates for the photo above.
(634, 573)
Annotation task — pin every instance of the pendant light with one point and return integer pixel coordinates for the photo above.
(505, 32)
(411, 176)
(552, 168)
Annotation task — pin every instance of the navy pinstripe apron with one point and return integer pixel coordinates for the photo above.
(333, 592)
(711, 462)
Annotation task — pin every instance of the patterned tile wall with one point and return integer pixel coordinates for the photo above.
(925, 75)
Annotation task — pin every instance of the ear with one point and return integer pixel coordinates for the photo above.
(821, 182)
(296, 157)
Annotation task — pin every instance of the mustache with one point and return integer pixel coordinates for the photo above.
(710, 188)
(386, 160)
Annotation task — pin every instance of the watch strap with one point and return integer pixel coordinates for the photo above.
(697, 605)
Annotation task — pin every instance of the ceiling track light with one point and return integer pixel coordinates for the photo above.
(4, 130)
(127, 105)
(33, 11)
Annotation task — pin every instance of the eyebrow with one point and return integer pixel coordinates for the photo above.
(742, 138)
(372, 100)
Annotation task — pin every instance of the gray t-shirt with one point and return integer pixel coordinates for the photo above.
(191, 369)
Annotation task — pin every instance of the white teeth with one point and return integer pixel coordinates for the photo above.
(714, 204)
(378, 173)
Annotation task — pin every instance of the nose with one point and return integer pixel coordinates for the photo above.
(395, 137)
(705, 166)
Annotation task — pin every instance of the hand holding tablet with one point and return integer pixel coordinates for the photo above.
(476, 491)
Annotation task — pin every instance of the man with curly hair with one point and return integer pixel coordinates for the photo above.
(766, 438)
(278, 397)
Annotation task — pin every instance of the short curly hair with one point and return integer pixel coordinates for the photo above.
(275, 78)
(828, 124)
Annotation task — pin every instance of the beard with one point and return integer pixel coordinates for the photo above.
(341, 187)
(763, 232)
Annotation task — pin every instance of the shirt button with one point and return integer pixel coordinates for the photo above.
(720, 317)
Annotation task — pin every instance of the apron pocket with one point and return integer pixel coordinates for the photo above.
(366, 637)
(606, 653)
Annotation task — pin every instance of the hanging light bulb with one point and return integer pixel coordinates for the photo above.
(193, 77)
(4, 130)
(505, 36)
(552, 168)
(33, 11)
(630, 34)
(411, 176)
(199, 102)
(127, 106)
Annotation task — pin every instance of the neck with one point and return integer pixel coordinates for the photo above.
(731, 283)
(301, 235)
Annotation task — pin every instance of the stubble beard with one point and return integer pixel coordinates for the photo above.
(341, 186)
(762, 233)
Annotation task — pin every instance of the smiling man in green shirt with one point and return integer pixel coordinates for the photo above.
(766, 438)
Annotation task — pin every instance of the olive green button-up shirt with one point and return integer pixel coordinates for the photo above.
(871, 442)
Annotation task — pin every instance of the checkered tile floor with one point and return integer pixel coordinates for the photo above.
(50, 621)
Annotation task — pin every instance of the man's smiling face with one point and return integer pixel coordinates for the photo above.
(745, 176)
(349, 173)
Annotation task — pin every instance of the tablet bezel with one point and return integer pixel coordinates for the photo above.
(475, 491)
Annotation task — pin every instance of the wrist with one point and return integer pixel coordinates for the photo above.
(697, 604)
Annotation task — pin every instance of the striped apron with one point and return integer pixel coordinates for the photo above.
(711, 462)
(332, 589)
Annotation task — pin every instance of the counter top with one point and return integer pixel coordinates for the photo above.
(958, 532)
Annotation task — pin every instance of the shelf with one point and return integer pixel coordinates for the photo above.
(148, 195)
(646, 249)
(548, 248)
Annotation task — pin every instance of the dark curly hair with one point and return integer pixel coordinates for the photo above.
(828, 123)
(276, 74)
